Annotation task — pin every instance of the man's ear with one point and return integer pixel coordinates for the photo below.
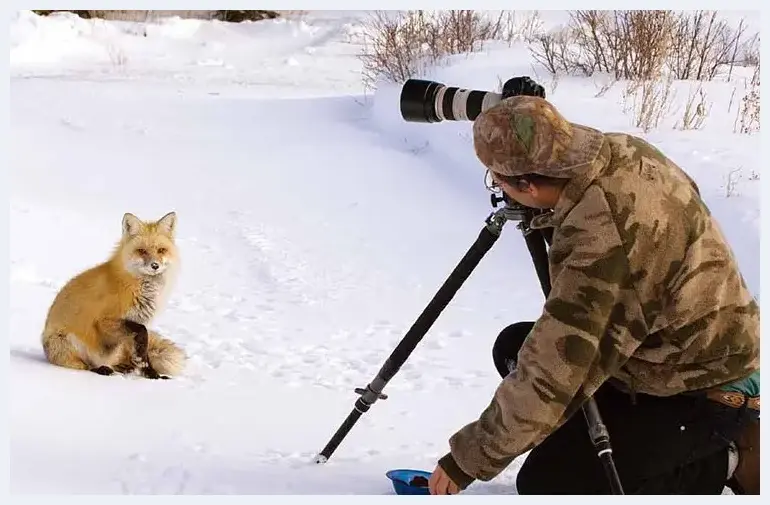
(525, 186)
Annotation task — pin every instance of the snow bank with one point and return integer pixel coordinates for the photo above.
(60, 37)
(270, 56)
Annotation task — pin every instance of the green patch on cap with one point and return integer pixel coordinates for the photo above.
(524, 128)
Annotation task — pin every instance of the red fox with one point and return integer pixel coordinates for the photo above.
(98, 321)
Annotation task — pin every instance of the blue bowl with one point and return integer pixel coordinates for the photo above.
(402, 477)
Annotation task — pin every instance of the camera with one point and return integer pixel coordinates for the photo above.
(432, 102)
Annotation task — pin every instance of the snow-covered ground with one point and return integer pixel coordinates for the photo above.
(314, 225)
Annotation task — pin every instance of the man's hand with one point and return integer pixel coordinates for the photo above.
(440, 483)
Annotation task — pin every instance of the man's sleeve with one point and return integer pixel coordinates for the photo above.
(589, 327)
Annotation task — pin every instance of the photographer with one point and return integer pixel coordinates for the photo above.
(648, 314)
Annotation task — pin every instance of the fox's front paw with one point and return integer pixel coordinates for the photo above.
(150, 373)
(103, 370)
(125, 369)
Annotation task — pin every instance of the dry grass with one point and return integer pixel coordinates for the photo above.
(696, 110)
(748, 112)
(648, 101)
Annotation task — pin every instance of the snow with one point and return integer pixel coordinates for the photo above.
(314, 225)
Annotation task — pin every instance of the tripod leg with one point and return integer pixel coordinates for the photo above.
(600, 437)
(536, 240)
(372, 392)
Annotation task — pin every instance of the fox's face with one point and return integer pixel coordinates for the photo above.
(148, 248)
(149, 256)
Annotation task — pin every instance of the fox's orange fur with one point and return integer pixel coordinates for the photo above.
(84, 327)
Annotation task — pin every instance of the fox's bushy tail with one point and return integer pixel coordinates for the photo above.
(165, 356)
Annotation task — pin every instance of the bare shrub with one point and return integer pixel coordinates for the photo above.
(641, 44)
(464, 31)
(544, 51)
(524, 26)
(626, 44)
(744, 48)
(630, 44)
(696, 110)
(398, 45)
(748, 112)
(648, 101)
(701, 44)
(748, 53)
(553, 51)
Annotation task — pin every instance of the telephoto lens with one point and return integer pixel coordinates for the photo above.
(432, 102)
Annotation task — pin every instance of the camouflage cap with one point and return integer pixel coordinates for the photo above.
(526, 135)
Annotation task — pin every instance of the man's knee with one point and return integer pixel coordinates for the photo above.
(506, 347)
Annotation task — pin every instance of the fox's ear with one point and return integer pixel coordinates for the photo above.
(167, 224)
(131, 225)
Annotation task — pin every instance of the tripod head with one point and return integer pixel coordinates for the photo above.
(511, 211)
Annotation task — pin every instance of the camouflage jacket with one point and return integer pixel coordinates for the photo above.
(645, 292)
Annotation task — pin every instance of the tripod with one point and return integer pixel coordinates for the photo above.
(536, 241)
